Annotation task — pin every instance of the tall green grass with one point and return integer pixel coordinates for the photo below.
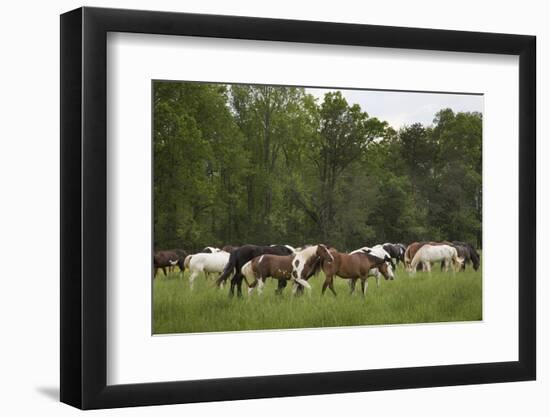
(424, 298)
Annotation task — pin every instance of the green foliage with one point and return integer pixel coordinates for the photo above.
(261, 164)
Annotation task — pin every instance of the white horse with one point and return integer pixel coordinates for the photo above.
(205, 263)
(380, 252)
(436, 253)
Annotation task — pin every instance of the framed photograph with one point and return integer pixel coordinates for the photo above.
(257, 208)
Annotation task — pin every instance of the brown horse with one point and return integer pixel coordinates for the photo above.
(296, 267)
(354, 266)
(168, 259)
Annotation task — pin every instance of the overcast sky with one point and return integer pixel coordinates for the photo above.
(399, 108)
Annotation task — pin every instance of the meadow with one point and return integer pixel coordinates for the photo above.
(424, 298)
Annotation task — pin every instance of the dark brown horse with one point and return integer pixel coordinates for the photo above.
(354, 266)
(239, 257)
(296, 267)
(168, 259)
(469, 253)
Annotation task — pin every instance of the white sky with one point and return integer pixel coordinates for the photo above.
(405, 108)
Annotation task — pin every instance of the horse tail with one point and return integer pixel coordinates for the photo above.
(407, 256)
(415, 260)
(186, 262)
(229, 267)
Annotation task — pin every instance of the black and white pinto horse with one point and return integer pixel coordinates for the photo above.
(395, 250)
(241, 256)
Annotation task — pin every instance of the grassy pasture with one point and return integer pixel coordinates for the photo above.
(439, 297)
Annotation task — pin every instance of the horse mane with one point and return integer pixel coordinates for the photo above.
(306, 253)
(315, 268)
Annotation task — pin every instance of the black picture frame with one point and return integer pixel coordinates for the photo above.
(84, 207)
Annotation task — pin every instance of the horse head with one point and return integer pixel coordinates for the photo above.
(324, 253)
(384, 265)
(389, 271)
(390, 260)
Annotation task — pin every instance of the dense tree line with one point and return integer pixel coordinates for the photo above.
(259, 164)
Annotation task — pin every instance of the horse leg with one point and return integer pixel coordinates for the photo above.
(352, 283)
(238, 282)
(325, 284)
(261, 283)
(164, 270)
(232, 286)
(364, 285)
(300, 289)
(331, 286)
(281, 285)
(192, 279)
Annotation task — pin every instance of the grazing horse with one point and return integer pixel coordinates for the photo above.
(429, 253)
(241, 256)
(167, 259)
(352, 266)
(205, 263)
(470, 254)
(297, 268)
(374, 272)
(411, 250)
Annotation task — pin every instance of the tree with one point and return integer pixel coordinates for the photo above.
(262, 164)
(345, 133)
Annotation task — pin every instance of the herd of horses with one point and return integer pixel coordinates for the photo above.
(254, 264)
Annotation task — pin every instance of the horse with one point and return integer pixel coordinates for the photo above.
(374, 272)
(241, 256)
(470, 254)
(395, 250)
(181, 256)
(411, 250)
(462, 252)
(429, 253)
(296, 267)
(352, 266)
(168, 259)
(205, 263)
